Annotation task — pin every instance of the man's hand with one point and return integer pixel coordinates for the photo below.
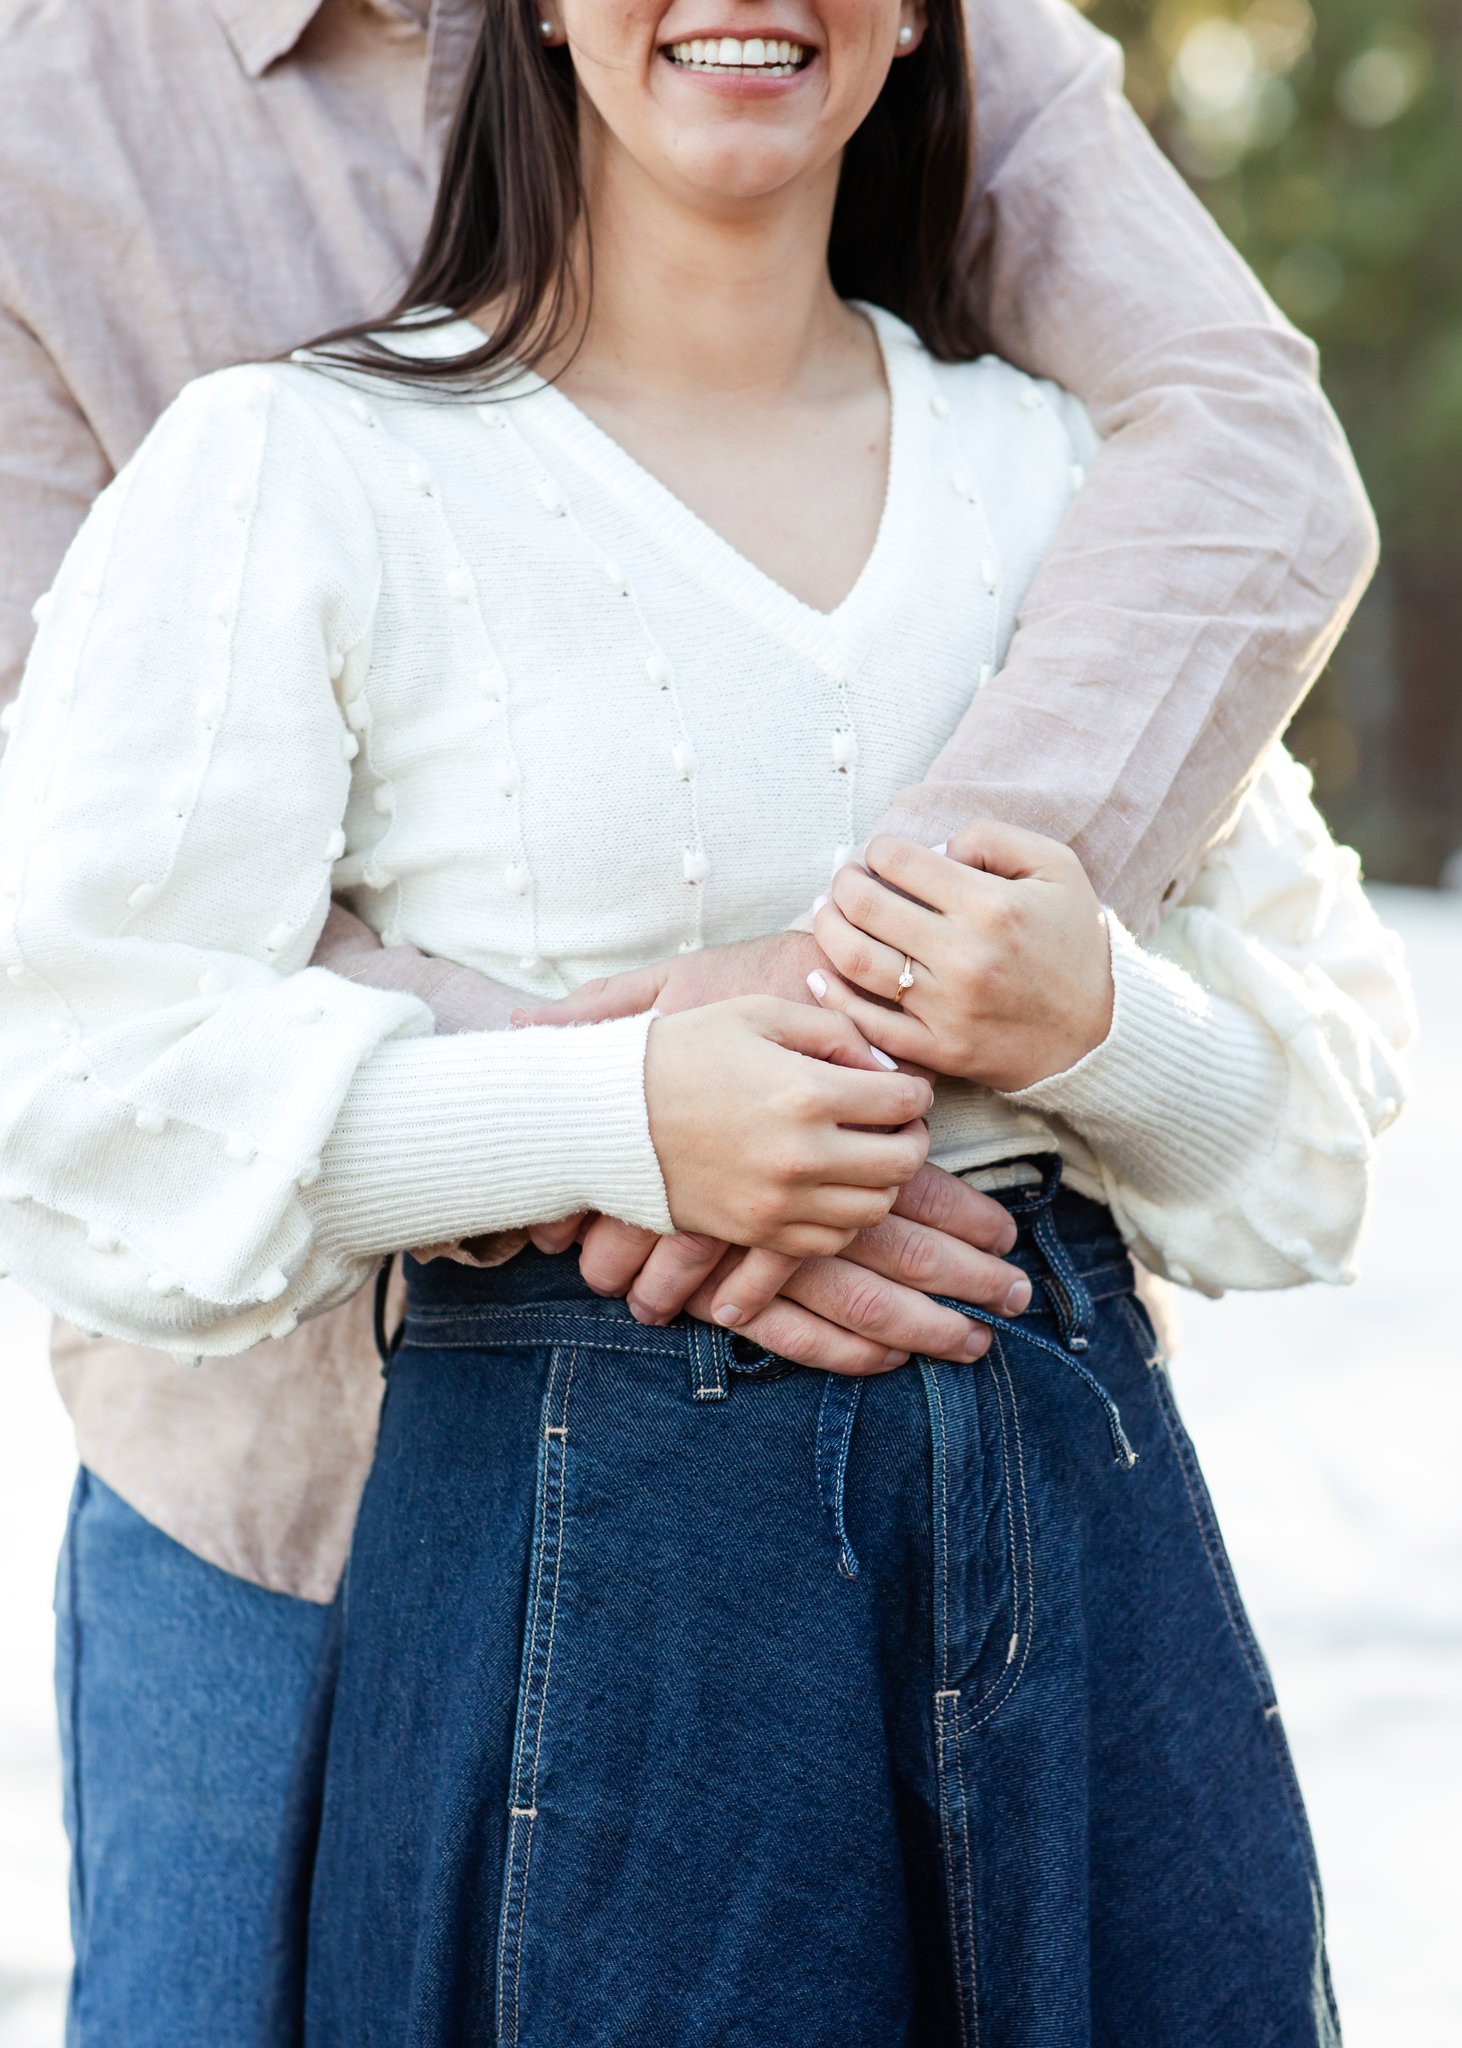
(864, 1311)
(775, 966)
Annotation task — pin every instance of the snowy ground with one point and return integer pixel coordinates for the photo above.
(1330, 1424)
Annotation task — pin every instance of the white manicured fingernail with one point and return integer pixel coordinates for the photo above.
(816, 983)
(883, 1059)
(942, 847)
(818, 905)
(728, 1316)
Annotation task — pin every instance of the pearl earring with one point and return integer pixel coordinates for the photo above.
(545, 29)
(906, 36)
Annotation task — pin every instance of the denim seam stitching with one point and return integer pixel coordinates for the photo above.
(1222, 1578)
(477, 1341)
(951, 1895)
(942, 1481)
(1143, 1332)
(971, 1718)
(960, 1922)
(969, 1891)
(515, 1901)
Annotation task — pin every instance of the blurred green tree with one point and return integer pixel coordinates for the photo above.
(1327, 141)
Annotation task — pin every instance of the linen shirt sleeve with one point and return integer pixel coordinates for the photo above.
(203, 1137)
(1223, 537)
(1253, 1059)
(51, 468)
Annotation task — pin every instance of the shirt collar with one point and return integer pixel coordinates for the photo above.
(262, 31)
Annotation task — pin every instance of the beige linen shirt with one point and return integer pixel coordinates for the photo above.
(189, 182)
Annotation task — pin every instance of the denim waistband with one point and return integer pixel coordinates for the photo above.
(537, 1290)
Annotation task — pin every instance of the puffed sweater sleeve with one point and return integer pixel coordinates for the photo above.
(202, 1137)
(1255, 1055)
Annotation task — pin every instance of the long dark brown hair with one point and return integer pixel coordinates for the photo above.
(511, 198)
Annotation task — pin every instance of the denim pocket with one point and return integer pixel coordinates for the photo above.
(984, 1592)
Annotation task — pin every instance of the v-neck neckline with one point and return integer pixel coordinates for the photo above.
(832, 639)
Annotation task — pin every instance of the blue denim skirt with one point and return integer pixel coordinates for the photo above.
(681, 1698)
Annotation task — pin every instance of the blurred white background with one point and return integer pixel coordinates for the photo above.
(1330, 1426)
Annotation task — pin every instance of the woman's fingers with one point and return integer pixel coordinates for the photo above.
(880, 1102)
(893, 920)
(819, 1036)
(883, 1311)
(613, 1253)
(895, 1032)
(921, 871)
(1010, 851)
(873, 1159)
(672, 1273)
(865, 961)
(745, 1286)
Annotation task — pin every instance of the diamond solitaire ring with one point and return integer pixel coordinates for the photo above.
(906, 979)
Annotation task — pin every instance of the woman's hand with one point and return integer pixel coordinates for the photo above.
(1012, 976)
(778, 1126)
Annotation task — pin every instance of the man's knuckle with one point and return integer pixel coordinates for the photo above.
(938, 1195)
(864, 1305)
(916, 1257)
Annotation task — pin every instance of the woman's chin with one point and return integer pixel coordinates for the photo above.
(725, 165)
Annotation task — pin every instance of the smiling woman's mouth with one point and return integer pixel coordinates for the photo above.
(764, 56)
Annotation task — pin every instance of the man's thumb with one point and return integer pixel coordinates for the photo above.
(595, 1002)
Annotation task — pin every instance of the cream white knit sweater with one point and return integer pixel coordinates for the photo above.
(478, 673)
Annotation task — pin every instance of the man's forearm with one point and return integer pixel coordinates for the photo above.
(458, 998)
(1222, 537)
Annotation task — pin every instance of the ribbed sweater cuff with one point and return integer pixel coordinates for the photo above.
(1184, 1091)
(440, 1138)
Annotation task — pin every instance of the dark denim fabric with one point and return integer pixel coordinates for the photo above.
(181, 1691)
(683, 1706)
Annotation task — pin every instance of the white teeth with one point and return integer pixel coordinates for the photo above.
(777, 59)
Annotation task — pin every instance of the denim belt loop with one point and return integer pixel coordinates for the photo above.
(1068, 1291)
(710, 1359)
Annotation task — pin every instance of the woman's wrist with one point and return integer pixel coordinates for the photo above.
(447, 1137)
